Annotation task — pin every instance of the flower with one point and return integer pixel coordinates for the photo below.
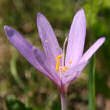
(60, 68)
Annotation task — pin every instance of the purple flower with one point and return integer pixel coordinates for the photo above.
(60, 68)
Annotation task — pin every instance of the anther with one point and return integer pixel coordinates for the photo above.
(65, 68)
(58, 62)
(70, 62)
(58, 57)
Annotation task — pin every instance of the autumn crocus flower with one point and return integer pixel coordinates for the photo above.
(60, 68)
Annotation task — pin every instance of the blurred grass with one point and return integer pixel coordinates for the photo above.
(21, 14)
(14, 72)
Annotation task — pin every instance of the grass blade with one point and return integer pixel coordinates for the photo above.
(14, 72)
(91, 83)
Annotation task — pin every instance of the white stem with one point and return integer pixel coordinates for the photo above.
(63, 101)
(63, 63)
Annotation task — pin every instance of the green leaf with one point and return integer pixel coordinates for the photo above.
(14, 104)
(91, 84)
(14, 71)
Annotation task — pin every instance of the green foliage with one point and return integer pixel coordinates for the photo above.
(14, 104)
(91, 84)
(56, 106)
(57, 9)
(14, 72)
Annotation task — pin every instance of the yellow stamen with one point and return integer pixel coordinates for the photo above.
(60, 67)
(65, 68)
(57, 65)
(58, 62)
(58, 57)
(70, 62)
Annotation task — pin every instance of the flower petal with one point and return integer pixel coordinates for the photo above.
(87, 55)
(73, 73)
(42, 59)
(23, 47)
(76, 38)
(48, 38)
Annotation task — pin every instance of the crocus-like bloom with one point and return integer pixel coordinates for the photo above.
(60, 68)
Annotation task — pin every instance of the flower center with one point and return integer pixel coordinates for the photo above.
(61, 68)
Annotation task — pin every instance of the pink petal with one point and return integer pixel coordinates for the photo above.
(48, 38)
(23, 47)
(42, 59)
(72, 73)
(76, 38)
(88, 54)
